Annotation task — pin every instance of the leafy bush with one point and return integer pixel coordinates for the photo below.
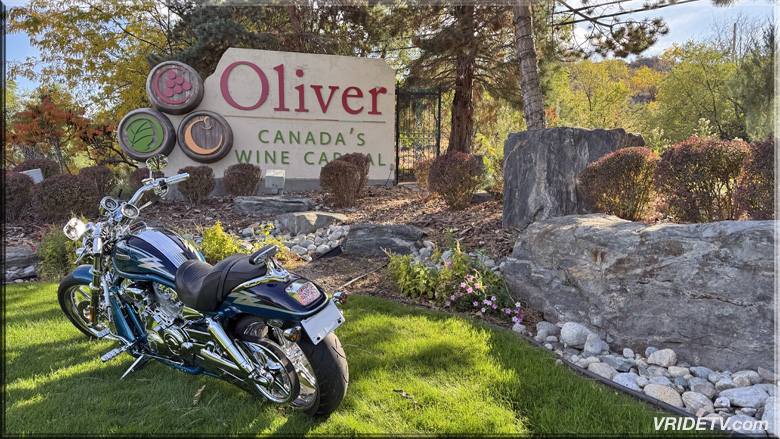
(242, 179)
(56, 252)
(102, 177)
(455, 176)
(457, 282)
(621, 183)
(17, 194)
(136, 182)
(218, 244)
(362, 163)
(755, 192)
(698, 177)
(61, 196)
(200, 184)
(49, 168)
(421, 171)
(342, 179)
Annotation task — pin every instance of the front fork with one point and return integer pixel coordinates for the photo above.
(95, 289)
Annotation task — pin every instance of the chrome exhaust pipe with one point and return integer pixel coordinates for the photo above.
(218, 362)
(218, 332)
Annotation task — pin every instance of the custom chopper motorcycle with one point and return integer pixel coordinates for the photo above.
(245, 320)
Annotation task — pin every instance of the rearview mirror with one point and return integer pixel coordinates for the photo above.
(74, 229)
(156, 163)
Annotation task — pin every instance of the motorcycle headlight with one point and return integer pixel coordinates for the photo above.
(303, 291)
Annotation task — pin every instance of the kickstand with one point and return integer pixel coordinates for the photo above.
(139, 362)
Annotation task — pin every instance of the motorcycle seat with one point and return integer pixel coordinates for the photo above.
(203, 287)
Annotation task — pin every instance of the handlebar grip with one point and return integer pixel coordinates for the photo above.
(177, 178)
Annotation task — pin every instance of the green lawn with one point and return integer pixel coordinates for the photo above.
(466, 377)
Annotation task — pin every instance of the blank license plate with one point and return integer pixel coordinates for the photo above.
(323, 323)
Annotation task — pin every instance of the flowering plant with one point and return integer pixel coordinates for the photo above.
(471, 294)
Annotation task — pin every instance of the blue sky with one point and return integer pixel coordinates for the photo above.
(687, 21)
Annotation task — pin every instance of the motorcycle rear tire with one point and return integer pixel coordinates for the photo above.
(331, 371)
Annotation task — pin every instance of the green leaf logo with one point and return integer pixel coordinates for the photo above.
(141, 134)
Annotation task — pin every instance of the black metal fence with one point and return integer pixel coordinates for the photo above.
(417, 129)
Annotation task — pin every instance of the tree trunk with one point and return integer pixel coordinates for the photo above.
(462, 126)
(530, 85)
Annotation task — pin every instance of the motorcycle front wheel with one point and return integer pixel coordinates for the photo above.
(322, 369)
(74, 298)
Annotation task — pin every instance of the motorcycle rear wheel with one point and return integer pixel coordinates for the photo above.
(325, 362)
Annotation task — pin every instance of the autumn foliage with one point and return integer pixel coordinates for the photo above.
(62, 196)
(17, 194)
(755, 193)
(620, 183)
(200, 184)
(242, 179)
(455, 176)
(48, 167)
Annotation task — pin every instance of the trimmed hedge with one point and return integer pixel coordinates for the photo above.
(342, 179)
(755, 193)
(363, 164)
(421, 171)
(18, 187)
(49, 168)
(455, 176)
(242, 179)
(102, 177)
(621, 182)
(200, 184)
(62, 196)
(698, 177)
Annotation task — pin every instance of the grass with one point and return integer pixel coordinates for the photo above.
(465, 377)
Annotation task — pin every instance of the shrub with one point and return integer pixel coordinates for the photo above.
(56, 252)
(362, 162)
(698, 177)
(217, 244)
(456, 282)
(61, 196)
(17, 194)
(755, 192)
(242, 179)
(102, 177)
(49, 168)
(342, 179)
(200, 184)
(621, 182)
(421, 171)
(455, 176)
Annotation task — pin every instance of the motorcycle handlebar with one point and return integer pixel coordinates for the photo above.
(156, 183)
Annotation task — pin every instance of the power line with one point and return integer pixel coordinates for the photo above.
(625, 12)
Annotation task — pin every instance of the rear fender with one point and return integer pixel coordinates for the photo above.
(271, 300)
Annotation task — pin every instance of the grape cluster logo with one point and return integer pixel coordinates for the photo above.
(175, 88)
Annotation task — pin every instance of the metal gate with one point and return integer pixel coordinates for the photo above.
(417, 129)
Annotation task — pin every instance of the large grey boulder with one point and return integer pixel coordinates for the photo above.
(271, 205)
(370, 239)
(19, 256)
(705, 290)
(308, 222)
(541, 168)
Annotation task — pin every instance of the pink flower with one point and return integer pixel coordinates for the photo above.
(493, 298)
(447, 304)
(514, 319)
(452, 297)
(486, 302)
(482, 310)
(435, 294)
(32, 247)
(495, 306)
(470, 290)
(476, 304)
(469, 278)
(508, 311)
(463, 284)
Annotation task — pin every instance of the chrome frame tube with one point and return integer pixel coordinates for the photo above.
(219, 334)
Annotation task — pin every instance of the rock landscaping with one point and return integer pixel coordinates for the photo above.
(743, 395)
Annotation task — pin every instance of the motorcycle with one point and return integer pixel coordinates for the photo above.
(245, 320)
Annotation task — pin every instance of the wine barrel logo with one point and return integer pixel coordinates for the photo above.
(144, 133)
(174, 88)
(205, 136)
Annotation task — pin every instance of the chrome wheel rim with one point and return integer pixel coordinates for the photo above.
(282, 389)
(78, 301)
(308, 381)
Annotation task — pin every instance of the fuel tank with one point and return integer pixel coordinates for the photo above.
(150, 253)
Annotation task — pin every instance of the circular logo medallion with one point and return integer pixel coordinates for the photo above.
(144, 133)
(174, 88)
(205, 136)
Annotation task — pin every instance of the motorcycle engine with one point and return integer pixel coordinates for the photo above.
(161, 311)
